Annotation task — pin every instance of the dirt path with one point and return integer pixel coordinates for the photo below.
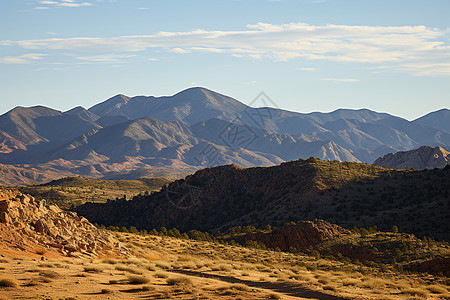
(286, 288)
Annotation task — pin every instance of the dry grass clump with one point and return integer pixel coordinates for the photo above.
(138, 280)
(7, 283)
(147, 288)
(274, 296)
(106, 291)
(225, 268)
(110, 261)
(329, 287)
(240, 287)
(179, 281)
(46, 265)
(128, 269)
(436, 289)
(184, 258)
(162, 265)
(351, 281)
(374, 283)
(416, 292)
(160, 275)
(49, 274)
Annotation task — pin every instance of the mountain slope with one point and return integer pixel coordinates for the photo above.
(19, 123)
(347, 194)
(438, 119)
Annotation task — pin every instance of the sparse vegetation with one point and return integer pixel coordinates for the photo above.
(73, 191)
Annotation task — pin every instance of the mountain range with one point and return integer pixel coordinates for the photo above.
(132, 137)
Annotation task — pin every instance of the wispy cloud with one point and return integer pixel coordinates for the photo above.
(340, 80)
(307, 69)
(418, 50)
(106, 58)
(62, 3)
(22, 59)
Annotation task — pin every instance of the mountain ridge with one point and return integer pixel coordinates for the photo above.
(196, 128)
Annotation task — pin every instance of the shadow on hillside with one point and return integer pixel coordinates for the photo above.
(295, 290)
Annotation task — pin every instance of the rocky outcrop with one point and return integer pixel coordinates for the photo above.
(422, 158)
(299, 236)
(438, 266)
(29, 225)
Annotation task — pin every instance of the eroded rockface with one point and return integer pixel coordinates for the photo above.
(425, 157)
(31, 226)
(299, 236)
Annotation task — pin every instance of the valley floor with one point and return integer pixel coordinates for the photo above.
(170, 268)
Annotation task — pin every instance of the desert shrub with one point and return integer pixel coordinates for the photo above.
(8, 283)
(138, 280)
(93, 270)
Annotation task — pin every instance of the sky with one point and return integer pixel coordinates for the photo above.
(307, 55)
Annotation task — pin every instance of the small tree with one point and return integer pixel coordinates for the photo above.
(394, 229)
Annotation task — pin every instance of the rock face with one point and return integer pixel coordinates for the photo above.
(29, 225)
(299, 236)
(422, 158)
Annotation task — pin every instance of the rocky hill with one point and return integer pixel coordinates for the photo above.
(300, 235)
(422, 158)
(32, 228)
(132, 137)
(347, 194)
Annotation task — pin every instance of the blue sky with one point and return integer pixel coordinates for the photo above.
(307, 55)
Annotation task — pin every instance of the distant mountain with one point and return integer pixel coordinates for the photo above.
(424, 157)
(189, 106)
(437, 119)
(124, 137)
(347, 194)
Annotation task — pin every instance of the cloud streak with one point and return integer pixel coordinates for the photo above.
(341, 80)
(62, 3)
(418, 50)
(22, 59)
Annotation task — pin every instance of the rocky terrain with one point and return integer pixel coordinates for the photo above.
(299, 236)
(133, 137)
(346, 194)
(30, 227)
(424, 157)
